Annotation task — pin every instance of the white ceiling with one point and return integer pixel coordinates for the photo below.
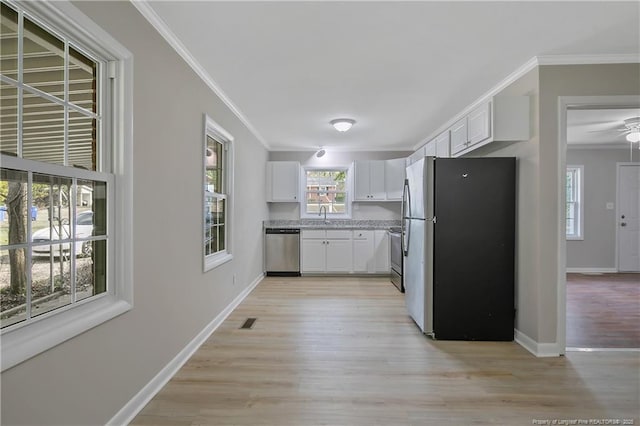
(400, 69)
(598, 127)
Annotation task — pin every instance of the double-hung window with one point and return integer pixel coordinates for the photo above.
(575, 202)
(326, 191)
(64, 149)
(218, 194)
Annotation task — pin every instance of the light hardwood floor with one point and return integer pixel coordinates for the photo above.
(342, 351)
(603, 310)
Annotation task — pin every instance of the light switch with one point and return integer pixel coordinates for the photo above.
(609, 206)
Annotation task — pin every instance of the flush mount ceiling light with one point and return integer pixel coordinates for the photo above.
(342, 124)
(321, 152)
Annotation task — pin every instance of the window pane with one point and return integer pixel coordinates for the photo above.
(214, 166)
(91, 269)
(82, 141)
(43, 130)
(13, 212)
(82, 80)
(215, 219)
(92, 209)
(9, 42)
(51, 198)
(327, 180)
(43, 66)
(50, 280)
(13, 282)
(8, 119)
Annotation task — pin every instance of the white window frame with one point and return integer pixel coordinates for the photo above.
(579, 191)
(348, 192)
(26, 340)
(217, 132)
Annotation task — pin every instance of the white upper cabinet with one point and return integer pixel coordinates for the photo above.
(442, 145)
(458, 133)
(503, 118)
(479, 124)
(370, 181)
(430, 149)
(415, 156)
(394, 178)
(379, 180)
(282, 181)
(438, 146)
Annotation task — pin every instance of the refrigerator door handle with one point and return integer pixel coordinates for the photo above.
(406, 198)
(406, 239)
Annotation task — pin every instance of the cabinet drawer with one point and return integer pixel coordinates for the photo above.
(360, 234)
(317, 234)
(338, 234)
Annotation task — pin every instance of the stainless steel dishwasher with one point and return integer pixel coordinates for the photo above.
(282, 252)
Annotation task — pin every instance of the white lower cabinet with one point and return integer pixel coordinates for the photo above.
(381, 251)
(345, 251)
(363, 251)
(326, 251)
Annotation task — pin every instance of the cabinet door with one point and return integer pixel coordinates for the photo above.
(394, 178)
(363, 251)
(313, 255)
(285, 176)
(382, 253)
(339, 256)
(430, 149)
(442, 145)
(458, 134)
(361, 180)
(479, 124)
(377, 189)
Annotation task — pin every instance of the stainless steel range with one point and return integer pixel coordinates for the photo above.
(395, 238)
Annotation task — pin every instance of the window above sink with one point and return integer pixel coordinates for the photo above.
(326, 191)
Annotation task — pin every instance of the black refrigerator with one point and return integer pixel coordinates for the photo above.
(458, 245)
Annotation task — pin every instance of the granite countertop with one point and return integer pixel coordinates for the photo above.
(331, 224)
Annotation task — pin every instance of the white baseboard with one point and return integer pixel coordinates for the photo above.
(137, 403)
(592, 270)
(540, 350)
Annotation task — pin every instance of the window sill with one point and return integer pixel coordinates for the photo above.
(214, 261)
(21, 343)
(575, 238)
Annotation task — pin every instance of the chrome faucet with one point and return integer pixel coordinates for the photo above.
(325, 213)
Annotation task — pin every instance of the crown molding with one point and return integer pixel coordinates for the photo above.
(158, 23)
(622, 58)
(532, 63)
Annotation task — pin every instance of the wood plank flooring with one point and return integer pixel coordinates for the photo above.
(603, 310)
(342, 351)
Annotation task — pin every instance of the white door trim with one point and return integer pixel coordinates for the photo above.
(618, 165)
(565, 103)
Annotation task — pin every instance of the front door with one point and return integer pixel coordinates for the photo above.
(628, 220)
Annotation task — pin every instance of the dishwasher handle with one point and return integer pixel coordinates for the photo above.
(282, 231)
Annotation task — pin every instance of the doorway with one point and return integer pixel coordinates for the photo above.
(598, 305)
(628, 217)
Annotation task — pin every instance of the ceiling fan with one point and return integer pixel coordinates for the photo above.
(630, 129)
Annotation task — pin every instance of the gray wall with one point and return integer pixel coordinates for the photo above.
(366, 210)
(539, 184)
(555, 81)
(86, 380)
(527, 211)
(598, 248)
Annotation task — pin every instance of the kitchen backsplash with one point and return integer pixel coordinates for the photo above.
(359, 211)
